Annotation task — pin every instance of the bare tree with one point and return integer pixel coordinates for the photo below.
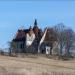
(59, 29)
(65, 38)
(69, 39)
(10, 46)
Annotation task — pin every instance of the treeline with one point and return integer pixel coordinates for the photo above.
(65, 37)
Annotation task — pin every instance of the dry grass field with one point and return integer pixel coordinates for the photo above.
(35, 65)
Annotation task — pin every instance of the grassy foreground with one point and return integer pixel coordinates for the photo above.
(35, 65)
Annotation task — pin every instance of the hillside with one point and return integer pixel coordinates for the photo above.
(35, 65)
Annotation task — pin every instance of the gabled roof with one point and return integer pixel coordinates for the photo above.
(20, 36)
(21, 33)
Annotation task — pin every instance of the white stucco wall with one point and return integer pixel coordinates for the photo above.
(30, 39)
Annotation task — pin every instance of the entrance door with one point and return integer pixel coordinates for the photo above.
(47, 50)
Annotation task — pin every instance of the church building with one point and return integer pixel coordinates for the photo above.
(33, 40)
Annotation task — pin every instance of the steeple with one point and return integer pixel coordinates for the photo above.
(35, 28)
(35, 23)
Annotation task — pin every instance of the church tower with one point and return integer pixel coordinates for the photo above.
(35, 28)
(35, 23)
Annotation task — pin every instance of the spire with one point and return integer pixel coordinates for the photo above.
(35, 23)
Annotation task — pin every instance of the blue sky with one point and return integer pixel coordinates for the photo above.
(14, 14)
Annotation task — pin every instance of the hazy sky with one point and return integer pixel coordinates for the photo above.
(14, 14)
